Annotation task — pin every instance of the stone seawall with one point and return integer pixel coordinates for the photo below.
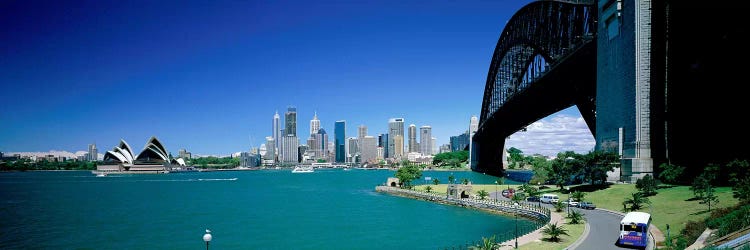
(540, 214)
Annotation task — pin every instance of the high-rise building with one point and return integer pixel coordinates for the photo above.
(276, 132)
(445, 148)
(395, 128)
(184, 154)
(290, 122)
(93, 153)
(383, 142)
(434, 145)
(270, 155)
(413, 138)
(314, 124)
(290, 150)
(351, 149)
(361, 131)
(425, 140)
(380, 153)
(398, 152)
(339, 141)
(320, 149)
(459, 142)
(369, 149)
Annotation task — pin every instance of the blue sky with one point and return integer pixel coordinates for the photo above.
(209, 75)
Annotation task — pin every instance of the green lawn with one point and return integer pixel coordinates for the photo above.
(575, 231)
(475, 187)
(670, 205)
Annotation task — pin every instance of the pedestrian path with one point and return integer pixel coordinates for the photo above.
(533, 236)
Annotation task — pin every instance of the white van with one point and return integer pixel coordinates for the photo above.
(549, 198)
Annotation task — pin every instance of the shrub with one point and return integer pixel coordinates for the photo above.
(692, 230)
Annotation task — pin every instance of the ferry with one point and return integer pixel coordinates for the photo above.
(303, 169)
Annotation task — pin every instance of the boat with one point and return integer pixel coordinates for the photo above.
(303, 169)
(101, 174)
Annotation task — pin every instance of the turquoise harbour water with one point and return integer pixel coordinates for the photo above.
(327, 209)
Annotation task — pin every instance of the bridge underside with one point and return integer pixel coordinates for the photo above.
(571, 82)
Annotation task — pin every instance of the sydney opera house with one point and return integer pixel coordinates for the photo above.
(154, 158)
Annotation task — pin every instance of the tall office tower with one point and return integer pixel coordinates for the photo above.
(380, 153)
(395, 128)
(369, 149)
(314, 124)
(93, 153)
(339, 140)
(473, 127)
(312, 145)
(413, 138)
(290, 151)
(425, 140)
(434, 146)
(270, 150)
(276, 130)
(184, 154)
(383, 142)
(398, 141)
(351, 149)
(321, 149)
(361, 131)
(290, 122)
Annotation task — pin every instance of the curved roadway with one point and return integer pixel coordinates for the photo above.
(603, 228)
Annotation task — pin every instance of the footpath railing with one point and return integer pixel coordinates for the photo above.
(540, 216)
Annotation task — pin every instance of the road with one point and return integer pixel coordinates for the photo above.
(603, 227)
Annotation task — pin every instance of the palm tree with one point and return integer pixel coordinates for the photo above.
(575, 217)
(482, 194)
(435, 181)
(451, 179)
(554, 231)
(578, 196)
(559, 206)
(465, 181)
(487, 243)
(636, 201)
(428, 189)
(517, 197)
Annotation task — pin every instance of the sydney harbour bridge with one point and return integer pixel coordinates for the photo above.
(655, 81)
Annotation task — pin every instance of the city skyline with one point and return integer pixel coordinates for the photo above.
(217, 89)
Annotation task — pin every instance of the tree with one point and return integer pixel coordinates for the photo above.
(739, 178)
(741, 190)
(465, 181)
(516, 157)
(700, 184)
(517, 197)
(636, 201)
(482, 194)
(428, 189)
(407, 174)
(559, 206)
(435, 181)
(709, 196)
(451, 179)
(646, 185)
(566, 164)
(487, 243)
(554, 231)
(578, 196)
(597, 164)
(575, 217)
(670, 173)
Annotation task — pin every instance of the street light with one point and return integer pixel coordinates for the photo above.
(516, 215)
(207, 237)
(568, 205)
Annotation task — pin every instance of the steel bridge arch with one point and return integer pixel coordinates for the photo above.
(550, 28)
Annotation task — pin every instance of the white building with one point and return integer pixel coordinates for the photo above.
(368, 149)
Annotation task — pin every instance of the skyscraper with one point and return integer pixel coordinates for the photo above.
(270, 155)
(433, 142)
(383, 142)
(398, 140)
(362, 131)
(369, 149)
(395, 128)
(290, 122)
(276, 131)
(339, 142)
(314, 124)
(425, 140)
(413, 138)
(290, 149)
(93, 153)
(352, 148)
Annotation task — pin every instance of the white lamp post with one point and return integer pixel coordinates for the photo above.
(207, 237)
(516, 215)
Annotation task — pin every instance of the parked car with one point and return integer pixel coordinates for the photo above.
(586, 205)
(533, 199)
(508, 193)
(549, 198)
(572, 203)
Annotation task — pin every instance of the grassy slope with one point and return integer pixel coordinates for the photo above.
(670, 205)
(574, 230)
